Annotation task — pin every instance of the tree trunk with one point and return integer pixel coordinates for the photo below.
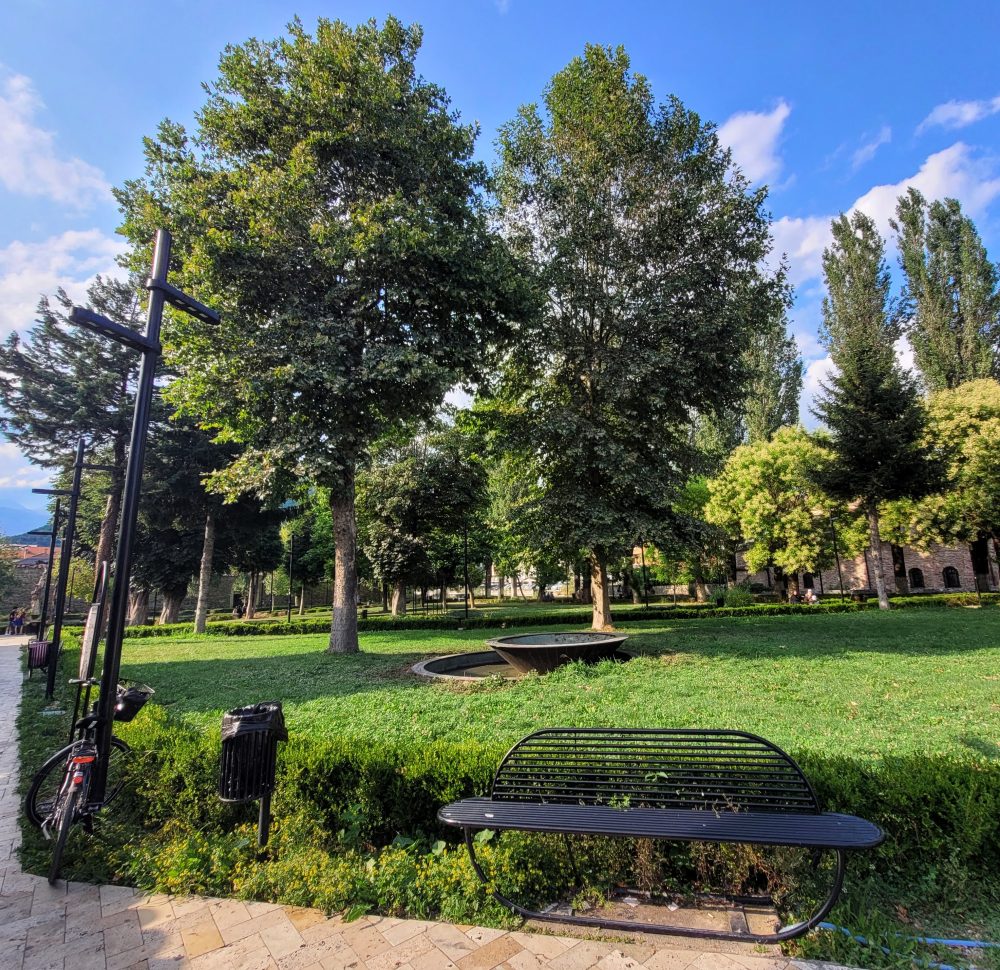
(138, 607)
(586, 591)
(302, 600)
(700, 591)
(171, 606)
(251, 605)
(876, 546)
(501, 583)
(399, 599)
(541, 592)
(344, 625)
(472, 598)
(599, 588)
(205, 574)
(385, 596)
(488, 578)
(109, 526)
(443, 593)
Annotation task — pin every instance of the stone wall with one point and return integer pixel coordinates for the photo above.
(858, 573)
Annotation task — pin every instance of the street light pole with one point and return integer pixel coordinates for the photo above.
(148, 345)
(645, 580)
(291, 556)
(43, 615)
(466, 537)
(836, 552)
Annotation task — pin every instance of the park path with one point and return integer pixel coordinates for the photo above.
(76, 926)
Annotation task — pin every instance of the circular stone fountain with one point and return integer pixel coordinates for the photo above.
(517, 655)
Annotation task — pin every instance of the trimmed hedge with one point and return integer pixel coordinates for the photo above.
(272, 627)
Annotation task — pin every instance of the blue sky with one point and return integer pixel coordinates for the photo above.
(833, 106)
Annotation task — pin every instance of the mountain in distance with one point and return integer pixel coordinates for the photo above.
(15, 522)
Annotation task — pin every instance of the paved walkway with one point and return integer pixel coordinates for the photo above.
(76, 926)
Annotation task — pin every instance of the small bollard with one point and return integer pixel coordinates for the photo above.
(250, 737)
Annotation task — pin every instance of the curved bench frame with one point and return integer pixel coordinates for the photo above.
(634, 926)
(770, 779)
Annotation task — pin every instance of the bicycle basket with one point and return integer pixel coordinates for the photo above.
(131, 699)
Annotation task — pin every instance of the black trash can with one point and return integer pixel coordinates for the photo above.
(250, 737)
(38, 655)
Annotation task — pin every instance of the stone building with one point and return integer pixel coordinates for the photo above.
(938, 570)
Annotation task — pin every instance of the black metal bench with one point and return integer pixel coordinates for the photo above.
(671, 784)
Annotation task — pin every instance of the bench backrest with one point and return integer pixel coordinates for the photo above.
(654, 768)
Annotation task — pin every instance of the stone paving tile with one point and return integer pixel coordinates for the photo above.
(76, 926)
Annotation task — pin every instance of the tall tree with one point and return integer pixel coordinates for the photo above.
(952, 296)
(775, 383)
(647, 258)
(871, 405)
(61, 383)
(330, 205)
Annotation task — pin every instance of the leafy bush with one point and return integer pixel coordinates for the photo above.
(738, 595)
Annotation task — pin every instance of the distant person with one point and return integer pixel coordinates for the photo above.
(10, 622)
(810, 597)
(18, 622)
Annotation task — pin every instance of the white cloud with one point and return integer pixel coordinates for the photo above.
(753, 137)
(17, 472)
(867, 151)
(958, 114)
(502, 5)
(951, 173)
(29, 164)
(29, 270)
(818, 372)
(803, 241)
(954, 172)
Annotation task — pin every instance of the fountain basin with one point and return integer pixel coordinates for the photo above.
(543, 652)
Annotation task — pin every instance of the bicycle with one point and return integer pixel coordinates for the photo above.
(59, 793)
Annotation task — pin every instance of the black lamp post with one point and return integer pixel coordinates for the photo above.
(645, 581)
(465, 529)
(836, 553)
(291, 558)
(52, 534)
(148, 345)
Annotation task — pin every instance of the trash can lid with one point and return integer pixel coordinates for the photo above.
(265, 716)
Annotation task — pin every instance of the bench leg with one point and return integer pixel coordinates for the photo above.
(634, 926)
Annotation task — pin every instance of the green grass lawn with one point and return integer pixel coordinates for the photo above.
(899, 710)
(866, 684)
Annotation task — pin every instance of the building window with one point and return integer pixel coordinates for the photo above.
(951, 580)
(916, 579)
(807, 580)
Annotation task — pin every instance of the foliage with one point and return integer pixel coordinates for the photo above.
(62, 383)
(356, 273)
(644, 318)
(767, 497)
(964, 430)
(952, 296)
(871, 405)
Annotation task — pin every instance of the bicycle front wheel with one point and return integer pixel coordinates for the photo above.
(67, 816)
(43, 792)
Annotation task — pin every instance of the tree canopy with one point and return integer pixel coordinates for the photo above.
(645, 249)
(329, 204)
(952, 294)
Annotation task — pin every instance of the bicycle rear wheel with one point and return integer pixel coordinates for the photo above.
(67, 815)
(40, 800)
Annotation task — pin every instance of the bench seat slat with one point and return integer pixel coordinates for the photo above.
(827, 830)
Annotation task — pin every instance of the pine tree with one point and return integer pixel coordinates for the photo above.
(952, 295)
(61, 383)
(871, 405)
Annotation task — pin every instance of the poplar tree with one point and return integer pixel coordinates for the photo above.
(871, 405)
(646, 250)
(952, 297)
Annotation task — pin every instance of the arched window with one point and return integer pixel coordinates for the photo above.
(951, 580)
(807, 580)
(916, 579)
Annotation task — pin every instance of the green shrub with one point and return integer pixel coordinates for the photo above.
(738, 595)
